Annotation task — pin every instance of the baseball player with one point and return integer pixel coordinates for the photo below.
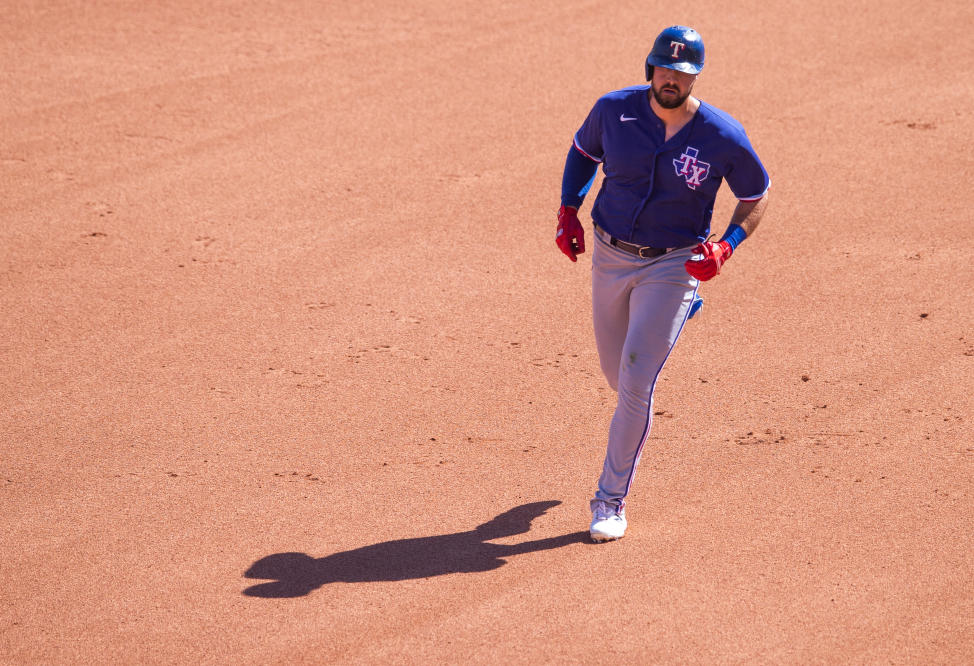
(664, 154)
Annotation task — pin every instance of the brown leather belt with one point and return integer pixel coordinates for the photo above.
(644, 251)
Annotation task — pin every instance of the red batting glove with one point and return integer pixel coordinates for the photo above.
(570, 236)
(714, 256)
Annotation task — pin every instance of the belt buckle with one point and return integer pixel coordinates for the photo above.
(648, 252)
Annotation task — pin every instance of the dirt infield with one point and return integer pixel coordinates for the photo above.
(294, 372)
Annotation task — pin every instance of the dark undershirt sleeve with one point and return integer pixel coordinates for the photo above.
(578, 178)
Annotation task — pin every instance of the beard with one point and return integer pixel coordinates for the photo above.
(670, 101)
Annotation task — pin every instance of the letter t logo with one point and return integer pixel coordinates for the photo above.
(677, 47)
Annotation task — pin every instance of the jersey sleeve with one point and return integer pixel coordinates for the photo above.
(746, 176)
(588, 138)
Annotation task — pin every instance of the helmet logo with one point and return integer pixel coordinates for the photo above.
(677, 47)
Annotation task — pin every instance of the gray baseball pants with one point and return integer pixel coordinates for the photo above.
(639, 308)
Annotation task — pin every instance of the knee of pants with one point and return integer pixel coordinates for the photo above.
(635, 382)
(635, 397)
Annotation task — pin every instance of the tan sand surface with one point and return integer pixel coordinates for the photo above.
(293, 371)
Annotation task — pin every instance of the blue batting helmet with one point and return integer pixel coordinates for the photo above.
(678, 47)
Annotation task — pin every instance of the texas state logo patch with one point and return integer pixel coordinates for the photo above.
(692, 169)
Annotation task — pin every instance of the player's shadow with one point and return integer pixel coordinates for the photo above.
(297, 574)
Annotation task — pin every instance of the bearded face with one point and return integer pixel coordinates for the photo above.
(670, 87)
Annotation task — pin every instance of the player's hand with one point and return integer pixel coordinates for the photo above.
(714, 256)
(570, 236)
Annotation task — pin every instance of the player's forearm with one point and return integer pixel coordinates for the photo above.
(579, 175)
(748, 214)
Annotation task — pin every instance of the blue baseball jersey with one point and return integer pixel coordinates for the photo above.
(662, 193)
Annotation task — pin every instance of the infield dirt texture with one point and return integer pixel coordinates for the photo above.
(293, 371)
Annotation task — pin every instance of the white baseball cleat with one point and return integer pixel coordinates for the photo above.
(608, 521)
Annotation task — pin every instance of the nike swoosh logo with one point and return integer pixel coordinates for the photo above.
(622, 118)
